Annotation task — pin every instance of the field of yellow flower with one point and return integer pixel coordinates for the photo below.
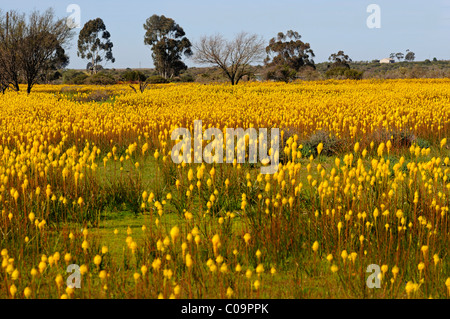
(92, 205)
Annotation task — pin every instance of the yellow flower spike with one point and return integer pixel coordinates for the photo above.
(344, 255)
(33, 272)
(353, 256)
(102, 274)
(384, 269)
(361, 239)
(421, 266)
(230, 292)
(216, 243)
(330, 257)
(83, 269)
(42, 266)
(260, 269)
(247, 238)
(59, 280)
(15, 275)
(27, 292)
(334, 268)
(156, 264)
(97, 260)
(356, 147)
(224, 268)
(85, 245)
(315, 246)
(174, 233)
(319, 148)
(436, 259)
(339, 227)
(13, 290)
(424, 250)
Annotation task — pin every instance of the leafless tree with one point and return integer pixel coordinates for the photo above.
(43, 36)
(12, 26)
(232, 57)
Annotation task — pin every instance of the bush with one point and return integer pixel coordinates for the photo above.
(74, 77)
(156, 79)
(335, 73)
(187, 78)
(332, 145)
(353, 74)
(100, 79)
(399, 138)
(344, 73)
(134, 76)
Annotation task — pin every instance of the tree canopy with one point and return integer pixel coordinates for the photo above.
(94, 44)
(233, 57)
(286, 54)
(168, 44)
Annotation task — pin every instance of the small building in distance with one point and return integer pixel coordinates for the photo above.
(387, 60)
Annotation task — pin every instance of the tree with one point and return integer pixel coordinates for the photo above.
(339, 60)
(168, 44)
(12, 26)
(399, 56)
(94, 44)
(57, 62)
(43, 39)
(233, 57)
(286, 54)
(410, 56)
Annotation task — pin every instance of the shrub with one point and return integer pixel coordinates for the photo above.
(344, 73)
(101, 79)
(336, 73)
(332, 145)
(187, 78)
(399, 138)
(156, 79)
(74, 77)
(134, 76)
(353, 74)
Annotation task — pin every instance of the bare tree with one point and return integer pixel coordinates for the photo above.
(42, 41)
(12, 26)
(232, 57)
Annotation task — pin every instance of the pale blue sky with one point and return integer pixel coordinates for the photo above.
(328, 25)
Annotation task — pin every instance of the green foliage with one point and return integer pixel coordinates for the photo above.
(286, 54)
(101, 79)
(156, 79)
(168, 43)
(332, 145)
(91, 46)
(344, 73)
(74, 77)
(353, 74)
(134, 76)
(337, 72)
